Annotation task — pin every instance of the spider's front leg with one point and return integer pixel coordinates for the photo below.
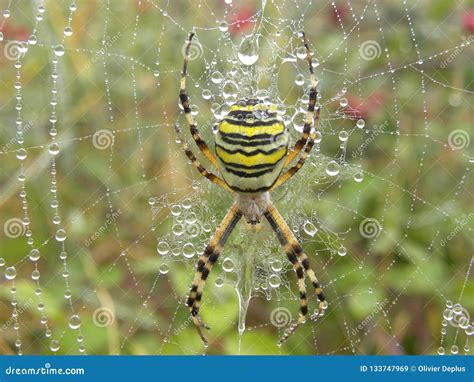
(205, 263)
(299, 261)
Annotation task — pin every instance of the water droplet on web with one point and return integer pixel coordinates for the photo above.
(176, 210)
(54, 345)
(309, 228)
(35, 275)
(21, 154)
(217, 77)
(189, 250)
(454, 349)
(274, 281)
(206, 94)
(68, 31)
(219, 282)
(75, 322)
(230, 89)
(301, 52)
(32, 40)
(360, 123)
(178, 229)
(248, 51)
(223, 26)
(342, 251)
(277, 266)
(343, 102)
(164, 269)
(2, 262)
(448, 314)
(163, 248)
(299, 119)
(441, 350)
(53, 149)
(34, 254)
(10, 273)
(332, 168)
(228, 265)
(343, 136)
(358, 177)
(60, 235)
(59, 50)
(299, 80)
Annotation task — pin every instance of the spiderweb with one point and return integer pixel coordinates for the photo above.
(103, 221)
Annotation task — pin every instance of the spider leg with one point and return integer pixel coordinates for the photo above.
(293, 170)
(205, 263)
(209, 175)
(183, 96)
(313, 95)
(294, 252)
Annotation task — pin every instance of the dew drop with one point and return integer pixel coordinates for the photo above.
(217, 77)
(10, 273)
(223, 26)
(358, 177)
(360, 123)
(342, 251)
(164, 269)
(53, 149)
(68, 31)
(228, 265)
(441, 350)
(54, 345)
(60, 235)
(21, 154)
(248, 51)
(34, 254)
(59, 50)
(309, 228)
(454, 349)
(343, 136)
(189, 250)
(299, 80)
(277, 266)
(75, 322)
(163, 248)
(219, 282)
(301, 53)
(274, 281)
(343, 102)
(332, 168)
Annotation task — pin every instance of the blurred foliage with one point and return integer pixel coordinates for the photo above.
(410, 187)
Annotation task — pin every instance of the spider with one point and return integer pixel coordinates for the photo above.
(252, 156)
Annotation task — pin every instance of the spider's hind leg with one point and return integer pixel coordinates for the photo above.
(205, 263)
(300, 263)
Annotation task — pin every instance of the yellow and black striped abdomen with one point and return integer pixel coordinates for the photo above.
(251, 143)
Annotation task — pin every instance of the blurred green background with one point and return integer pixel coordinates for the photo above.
(135, 215)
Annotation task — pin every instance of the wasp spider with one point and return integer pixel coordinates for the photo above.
(253, 158)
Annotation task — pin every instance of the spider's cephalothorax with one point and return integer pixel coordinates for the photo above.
(251, 145)
(252, 155)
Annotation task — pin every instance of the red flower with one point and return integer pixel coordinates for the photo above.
(468, 20)
(240, 22)
(364, 109)
(338, 11)
(13, 32)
